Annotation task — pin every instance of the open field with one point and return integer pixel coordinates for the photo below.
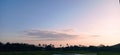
(54, 52)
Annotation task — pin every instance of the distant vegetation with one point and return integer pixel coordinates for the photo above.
(44, 47)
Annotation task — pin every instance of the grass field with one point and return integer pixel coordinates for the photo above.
(53, 52)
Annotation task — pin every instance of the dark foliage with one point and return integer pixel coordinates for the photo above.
(44, 47)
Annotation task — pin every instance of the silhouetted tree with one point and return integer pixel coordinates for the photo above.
(44, 47)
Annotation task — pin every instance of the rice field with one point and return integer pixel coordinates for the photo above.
(55, 52)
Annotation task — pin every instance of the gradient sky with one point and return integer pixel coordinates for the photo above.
(86, 22)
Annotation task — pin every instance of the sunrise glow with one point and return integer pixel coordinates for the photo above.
(59, 22)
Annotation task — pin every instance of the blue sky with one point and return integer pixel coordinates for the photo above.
(22, 14)
(82, 15)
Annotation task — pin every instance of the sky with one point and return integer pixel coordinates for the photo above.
(85, 22)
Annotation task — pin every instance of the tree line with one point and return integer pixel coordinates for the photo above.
(50, 47)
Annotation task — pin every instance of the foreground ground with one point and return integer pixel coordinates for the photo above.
(53, 52)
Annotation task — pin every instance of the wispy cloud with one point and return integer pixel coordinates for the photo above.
(49, 35)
